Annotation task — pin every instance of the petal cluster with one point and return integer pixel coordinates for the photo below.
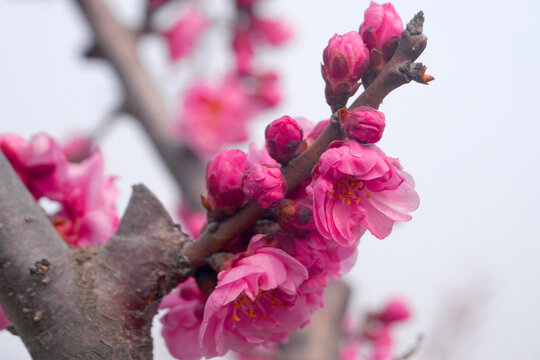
(264, 184)
(182, 322)
(184, 34)
(357, 187)
(260, 298)
(87, 214)
(212, 116)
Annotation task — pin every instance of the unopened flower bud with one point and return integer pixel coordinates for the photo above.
(283, 136)
(224, 180)
(396, 310)
(381, 23)
(363, 124)
(264, 184)
(345, 61)
(78, 148)
(296, 216)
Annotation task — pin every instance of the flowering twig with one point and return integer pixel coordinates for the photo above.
(118, 45)
(393, 75)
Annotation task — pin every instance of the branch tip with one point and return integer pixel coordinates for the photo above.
(416, 25)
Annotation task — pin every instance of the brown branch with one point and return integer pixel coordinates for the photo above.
(89, 303)
(393, 75)
(118, 45)
(321, 339)
(398, 71)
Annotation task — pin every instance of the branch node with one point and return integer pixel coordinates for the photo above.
(415, 72)
(416, 25)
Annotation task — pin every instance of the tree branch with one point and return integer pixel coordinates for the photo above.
(118, 46)
(322, 338)
(90, 303)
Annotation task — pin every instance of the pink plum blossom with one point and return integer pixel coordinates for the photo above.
(396, 310)
(345, 59)
(363, 124)
(213, 116)
(267, 90)
(283, 137)
(4, 321)
(184, 34)
(244, 51)
(260, 156)
(384, 21)
(224, 179)
(264, 184)
(40, 163)
(358, 187)
(275, 32)
(261, 298)
(88, 214)
(181, 324)
(317, 130)
(78, 148)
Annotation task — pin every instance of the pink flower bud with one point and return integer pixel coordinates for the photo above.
(396, 310)
(382, 21)
(78, 148)
(345, 59)
(224, 179)
(182, 37)
(318, 130)
(363, 124)
(275, 32)
(296, 216)
(265, 185)
(283, 136)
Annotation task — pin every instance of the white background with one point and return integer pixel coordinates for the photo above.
(469, 260)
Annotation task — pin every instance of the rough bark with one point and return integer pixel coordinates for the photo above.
(90, 303)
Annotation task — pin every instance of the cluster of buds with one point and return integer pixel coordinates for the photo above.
(350, 57)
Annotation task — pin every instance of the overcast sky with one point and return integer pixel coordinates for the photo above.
(470, 140)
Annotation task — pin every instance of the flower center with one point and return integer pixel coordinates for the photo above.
(264, 303)
(348, 190)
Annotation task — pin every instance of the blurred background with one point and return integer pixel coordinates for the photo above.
(468, 262)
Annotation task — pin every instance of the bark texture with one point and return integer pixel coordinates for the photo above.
(96, 302)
